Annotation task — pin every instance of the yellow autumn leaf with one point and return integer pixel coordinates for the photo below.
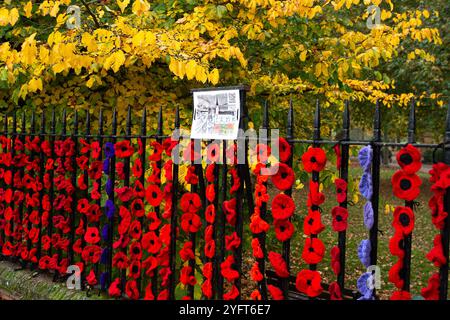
(119, 60)
(213, 76)
(123, 4)
(355, 198)
(191, 69)
(13, 16)
(27, 9)
(140, 7)
(35, 84)
(303, 56)
(200, 74)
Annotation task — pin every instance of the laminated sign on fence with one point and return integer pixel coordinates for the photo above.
(216, 114)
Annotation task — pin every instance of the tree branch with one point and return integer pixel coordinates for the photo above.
(97, 24)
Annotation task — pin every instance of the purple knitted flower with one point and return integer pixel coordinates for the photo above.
(109, 188)
(109, 150)
(106, 166)
(364, 288)
(365, 157)
(364, 249)
(365, 185)
(368, 215)
(110, 209)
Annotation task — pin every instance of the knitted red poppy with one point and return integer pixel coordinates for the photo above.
(403, 220)
(309, 283)
(257, 224)
(341, 190)
(397, 245)
(313, 251)
(275, 292)
(190, 222)
(284, 149)
(431, 292)
(315, 197)
(282, 206)
(406, 186)
(314, 159)
(284, 229)
(151, 242)
(92, 235)
(190, 202)
(340, 216)
(401, 295)
(335, 254)
(255, 273)
(313, 223)
(438, 215)
(409, 159)
(284, 177)
(187, 277)
(132, 290)
(335, 291)
(396, 274)
(123, 149)
(278, 264)
(257, 250)
(436, 254)
(153, 195)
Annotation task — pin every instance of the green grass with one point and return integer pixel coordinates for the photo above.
(423, 235)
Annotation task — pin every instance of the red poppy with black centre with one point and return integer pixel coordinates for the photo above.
(284, 149)
(341, 190)
(132, 290)
(91, 254)
(313, 223)
(283, 206)
(154, 221)
(340, 216)
(135, 230)
(210, 176)
(409, 159)
(134, 269)
(95, 170)
(403, 220)
(186, 253)
(137, 208)
(135, 251)
(210, 249)
(153, 195)
(138, 189)
(315, 197)
(314, 159)
(213, 152)
(284, 229)
(137, 168)
(190, 202)
(156, 151)
(397, 245)
(190, 222)
(309, 283)
(284, 177)
(210, 192)
(151, 242)
(313, 251)
(397, 274)
(406, 186)
(123, 149)
(92, 235)
(210, 214)
(438, 215)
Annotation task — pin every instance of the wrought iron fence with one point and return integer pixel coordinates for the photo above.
(116, 207)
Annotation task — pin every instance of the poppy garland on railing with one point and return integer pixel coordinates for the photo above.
(228, 268)
(440, 179)
(365, 156)
(406, 186)
(309, 281)
(6, 195)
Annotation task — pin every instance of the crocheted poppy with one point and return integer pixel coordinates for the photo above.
(92, 235)
(210, 249)
(431, 292)
(125, 193)
(135, 230)
(137, 208)
(134, 269)
(335, 254)
(114, 289)
(156, 151)
(403, 220)
(284, 177)
(313, 223)
(313, 251)
(396, 274)
(438, 215)
(314, 159)
(232, 294)
(135, 251)
(436, 254)
(151, 242)
(227, 271)
(186, 253)
(91, 254)
(153, 195)
(340, 216)
(232, 241)
(210, 214)
(255, 273)
(190, 202)
(131, 290)
(368, 215)
(275, 292)
(258, 224)
(284, 229)
(282, 206)
(256, 295)
(261, 195)
(210, 173)
(278, 264)
(315, 198)
(210, 193)
(409, 158)
(190, 222)
(309, 283)
(123, 149)
(365, 157)
(341, 190)
(213, 152)
(397, 245)
(335, 291)
(366, 186)
(401, 295)
(338, 153)
(256, 249)
(229, 209)
(284, 149)
(187, 277)
(406, 186)
(207, 288)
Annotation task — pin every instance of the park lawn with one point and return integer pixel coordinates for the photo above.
(423, 235)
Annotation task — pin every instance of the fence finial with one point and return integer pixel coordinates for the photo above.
(144, 122)
(64, 122)
(377, 122)
(42, 122)
(100, 122)
(412, 122)
(316, 133)
(33, 121)
(290, 120)
(114, 122)
(160, 122)
(129, 121)
(75, 123)
(53, 126)
(24, 127)
(265, 122)
(177, 118)
(88, 123)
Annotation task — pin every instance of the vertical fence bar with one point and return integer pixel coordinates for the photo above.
(74, 183)
(41, 178)
(409, 204)
(99, 180)
(112, 176)
(373, 233)
(286, 250)
(445, 232)
(22, 189)
(52, 178)
(13, 171)
(221, 222)
(3, 184)
(86, 195)
(173, 216)
(142, 177)
(315, 174)
(33, 154)
(345, 148)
